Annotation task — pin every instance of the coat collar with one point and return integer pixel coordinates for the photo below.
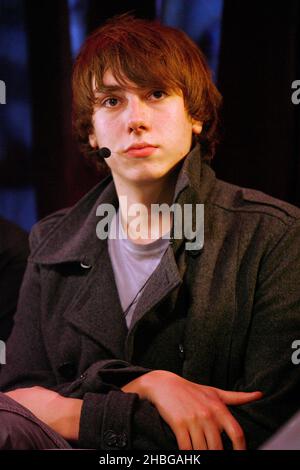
(74, 238)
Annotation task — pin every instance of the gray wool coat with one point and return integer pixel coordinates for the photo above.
(225, 315)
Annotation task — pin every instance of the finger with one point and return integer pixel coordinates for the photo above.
(183, 439)
(234, 431)
(213, 437)
(197, 438)
(238, 398)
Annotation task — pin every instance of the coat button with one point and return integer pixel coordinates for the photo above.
(83, 376)
(85, 265)
(181, 350)
(112, 439)
(122, 440)
(68, 370)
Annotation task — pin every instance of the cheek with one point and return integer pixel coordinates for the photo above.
(101, 123)
(177, 120)
(109, 128)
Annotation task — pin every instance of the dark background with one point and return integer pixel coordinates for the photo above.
(252, 47)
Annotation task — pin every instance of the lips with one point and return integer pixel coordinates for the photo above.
(142, 149)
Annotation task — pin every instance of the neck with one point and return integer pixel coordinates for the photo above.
(136, 207)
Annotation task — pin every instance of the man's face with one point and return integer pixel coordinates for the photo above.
(130, 116)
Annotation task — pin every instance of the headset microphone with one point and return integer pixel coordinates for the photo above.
(104, 152)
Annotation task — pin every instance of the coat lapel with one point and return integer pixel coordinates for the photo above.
(96, 311)
(164, 279)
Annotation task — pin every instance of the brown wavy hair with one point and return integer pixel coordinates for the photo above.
(150, 55)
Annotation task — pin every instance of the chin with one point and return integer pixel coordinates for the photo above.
(147, 176)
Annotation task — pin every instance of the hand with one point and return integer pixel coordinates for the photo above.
(197, 414)
(59, 413)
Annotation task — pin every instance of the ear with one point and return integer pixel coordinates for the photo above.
(93, 140)
(197, 126)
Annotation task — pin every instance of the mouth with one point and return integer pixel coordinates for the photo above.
(140, 150)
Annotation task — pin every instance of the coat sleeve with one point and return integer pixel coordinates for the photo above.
(110, 419)
(26, 359)
(268, 364)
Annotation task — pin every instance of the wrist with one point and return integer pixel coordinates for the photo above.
(149, 382)
(140, 385)
(145, 385)
(68, 425)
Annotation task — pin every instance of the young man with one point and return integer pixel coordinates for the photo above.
(141, 343)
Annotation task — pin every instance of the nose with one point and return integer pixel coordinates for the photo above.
(138, 116)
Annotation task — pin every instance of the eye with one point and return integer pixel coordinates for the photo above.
(158, 94)
(110, 102)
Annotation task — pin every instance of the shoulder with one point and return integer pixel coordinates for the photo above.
(44, 226)
(251, 202)
(260, 221)
(61, 228)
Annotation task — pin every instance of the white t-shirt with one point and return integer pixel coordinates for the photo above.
(132, 265)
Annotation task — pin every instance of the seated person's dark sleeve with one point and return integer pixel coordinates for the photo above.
(14, 250)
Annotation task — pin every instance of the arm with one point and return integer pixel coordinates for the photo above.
(100, 405)
(27, 365)
(275, 325)
(267, 364)
(93, 403)
(196, 413)
(60, 413)
(63, 414)
(26, 358)
(104, 421)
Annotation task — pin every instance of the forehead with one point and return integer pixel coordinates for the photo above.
(110, 83)
(109, 79)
